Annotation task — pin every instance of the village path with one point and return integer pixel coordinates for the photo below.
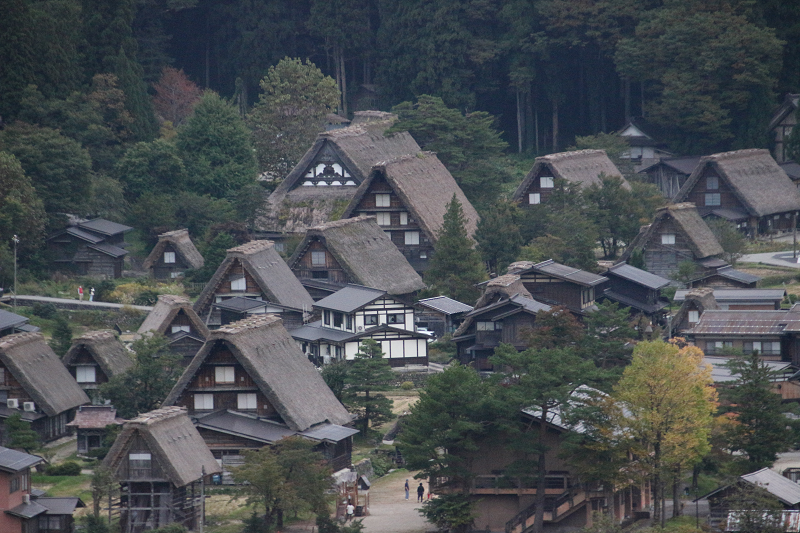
(783, 259)
(390, 512)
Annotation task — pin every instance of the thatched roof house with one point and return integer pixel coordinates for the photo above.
(677, 234)
(695, 303)
(283, 375)
(100, 350)
(325, 179)
(172, 255)
(175, 318)
(47, 395)
(354, 250)
(254, 269)
(581, 167)
(409, 196)
(747, 187)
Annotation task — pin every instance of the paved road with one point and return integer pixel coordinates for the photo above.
(23, 299)
(783, 259)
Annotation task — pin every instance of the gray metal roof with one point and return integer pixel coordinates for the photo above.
(104, 227)
(329, 432)
(350, 298)
(567, 273)
(28, 510)
(245, 425)
(109, 249)
(241, 304)
(637, 275)
(445, 305)
(56, 506)
(85, 235)
(11, 320)
(745, 322)
(738, 275)
(517, 300)
(14, 461)
(315, 331)
(627, 301)
(782, 488)
(738, 295)
(720, 373)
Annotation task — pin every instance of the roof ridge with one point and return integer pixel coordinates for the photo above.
(251, 247)
(245, 324)
(158, 415)
(19, 339)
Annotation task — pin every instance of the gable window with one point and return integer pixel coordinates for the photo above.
(488, 326)
(534, 198)
(204, 402)
(337, 320)
(238, 284)
(412, 237)
(85, 374)
(383, 200)
(384, 219)
(546, 182)
(712, 199)
(712, 183)
(326, 318)
(169, 257)
(178, 329)
(14, 485)
(403, 219)
(694, 317)
(224, 374)
(317, 258)
(667, 238)
(371, 320)
(139, 465)
(397, 318)
(246, 401)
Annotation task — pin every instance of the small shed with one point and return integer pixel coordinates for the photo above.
(173, 254)
(91, 424)
(440, 314)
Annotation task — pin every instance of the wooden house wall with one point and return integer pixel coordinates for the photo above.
(542, 286)
(663, 259)
(73, 255)
(138, 444)
(12, 387)
(225, 394)
(418, 255)
(236, 268)
(162, 270)
(632, 290)
(331, 271)
(706, 343)
(187, 348)
(535, 186)
(85, 358)
(219, 442)
(727, 197)
(668, 180)
(515, 328)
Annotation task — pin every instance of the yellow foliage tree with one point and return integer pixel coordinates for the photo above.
(663, 406)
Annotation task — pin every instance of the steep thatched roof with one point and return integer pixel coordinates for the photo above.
(268, 269)
(756, 179)
(181, 243)
(697, 233)
(165, 311)
(283, 373)
(173, 441)
(425, 186)
(496, 289)
(105, 348)
(34, 365)
(366, 253)
(582, 167)
(701, 300)
(292, 208)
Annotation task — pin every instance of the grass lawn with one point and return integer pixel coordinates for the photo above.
(79, 486)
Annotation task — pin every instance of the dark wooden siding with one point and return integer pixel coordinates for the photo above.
(331, 271)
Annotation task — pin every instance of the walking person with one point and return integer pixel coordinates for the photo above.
(91, 295)
(80, 292)
(350, 511)
(420, 493)
(407, 489)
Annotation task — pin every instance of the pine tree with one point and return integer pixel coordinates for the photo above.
(62, 336)
(369, 372)
(456, 267)
(19, 434)
(498, 236)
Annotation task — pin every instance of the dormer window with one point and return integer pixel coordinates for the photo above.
(383, 200)
(546, 182)
(668, 238)
(169, 257)
(85, 374)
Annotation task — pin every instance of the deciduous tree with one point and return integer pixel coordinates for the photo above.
(176, 95)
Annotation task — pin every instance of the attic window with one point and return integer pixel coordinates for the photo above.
(668, 238)
(403, 219)
(712, 183)
(246, 401)
(238, 284)
(534, 198)
(224, 374)
(694, 317)
(382, 200)
(178, 329)
(546, 182)
(139, 465)
(85, 374)
(412, 237)
(317, 258)
(712, 199)
(204, 402)
(169, 257)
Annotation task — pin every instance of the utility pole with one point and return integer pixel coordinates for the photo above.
(202, 499)
(16, 241)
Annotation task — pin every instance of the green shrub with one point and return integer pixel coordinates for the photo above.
(407, 385)
(46, 311)
(69, 468)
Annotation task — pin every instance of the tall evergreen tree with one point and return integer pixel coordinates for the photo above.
(498, 235)
(368, 373)
(17, 54)
(456, 267)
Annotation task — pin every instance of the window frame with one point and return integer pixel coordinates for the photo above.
(315, 258)
(383, 218)
(396, 318)
(225, 372)
(169, 257)
(712, 199)
(371, 319)
(712, 183)
(404, 218)
(247, 398)
(202, 405)
(550, 184)
(411, 238)
(534, 198)
(80, 373)
(239, 284)
(693, 313)
(667, 238)
(383, 199)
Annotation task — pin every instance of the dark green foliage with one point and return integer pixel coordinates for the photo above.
(59, 168)
(94, 524)
(21, 211)
(450, 512)
(69, 468)
(46, 311)
(325, 524)
(455, 267)
(368, 373)
(17, 54)
(19, 434)
(215, 146)
(758, 511)
(256, 524)
(62, 336)
(335, 376)
(468, 145)
(498, 236)
(214, 253)
(450, 419)
(733, 241)
(103, 290)
(154, 167)
(147, 383)
(608, 335)
(763, 429)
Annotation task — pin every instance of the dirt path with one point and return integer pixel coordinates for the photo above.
(390, 512)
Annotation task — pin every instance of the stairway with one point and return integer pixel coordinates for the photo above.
(555, 510)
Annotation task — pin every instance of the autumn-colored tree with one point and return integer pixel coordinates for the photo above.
(176, 95)
(556, 328)
(664, 406)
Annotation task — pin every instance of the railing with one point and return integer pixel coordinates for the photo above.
(554, 510)
(503, 484)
